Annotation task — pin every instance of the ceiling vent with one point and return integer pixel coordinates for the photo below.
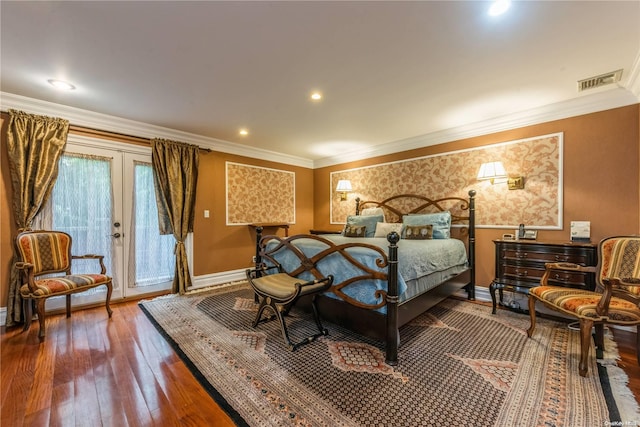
(601, 80)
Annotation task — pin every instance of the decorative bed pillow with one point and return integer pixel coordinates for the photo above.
(384, 228)
(373, 211)
(368, 221)
(441, 222)
(418, 232)
(355, 230)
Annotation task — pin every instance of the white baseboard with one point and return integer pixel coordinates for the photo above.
(3, 315)
(218, 278)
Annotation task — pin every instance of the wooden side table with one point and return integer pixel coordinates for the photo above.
(273, 225)
(520, 265)
(317, 232)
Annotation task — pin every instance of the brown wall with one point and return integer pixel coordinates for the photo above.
(216, 246)
(601, 177)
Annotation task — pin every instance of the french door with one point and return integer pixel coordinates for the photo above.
(104, 198)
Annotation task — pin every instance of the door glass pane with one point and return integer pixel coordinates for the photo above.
(154, 259)
(82, 206)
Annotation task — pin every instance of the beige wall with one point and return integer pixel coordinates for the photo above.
(601, 177)
(601, 185)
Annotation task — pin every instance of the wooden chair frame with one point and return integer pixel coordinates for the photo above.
(35, 291)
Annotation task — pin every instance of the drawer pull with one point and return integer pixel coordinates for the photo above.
(521, 273)
(521, 254)
(562, 258)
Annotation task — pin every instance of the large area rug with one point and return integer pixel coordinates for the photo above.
(459, 365)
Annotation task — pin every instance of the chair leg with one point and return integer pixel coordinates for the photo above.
(638, 343)
(261, 307)
(599, 340)
(27, 308)
(585, 345)
(108, 300)
(316, 317)
(68, 305)
(532, 316)
(280, 313)
(40, 310)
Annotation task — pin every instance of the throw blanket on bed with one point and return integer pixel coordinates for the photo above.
(416, 258)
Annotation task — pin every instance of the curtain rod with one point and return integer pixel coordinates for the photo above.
(129, 138)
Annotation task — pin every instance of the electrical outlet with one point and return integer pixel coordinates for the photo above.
(253, 259)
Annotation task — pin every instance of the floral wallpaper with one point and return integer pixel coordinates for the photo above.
(538, 160)
(256, 194)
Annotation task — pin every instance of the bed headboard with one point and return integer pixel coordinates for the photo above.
(462, 210)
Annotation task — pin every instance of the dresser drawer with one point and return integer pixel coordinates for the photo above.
(513, 272)
(551, 255)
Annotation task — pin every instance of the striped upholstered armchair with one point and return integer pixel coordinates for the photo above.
(615, 300)
(43, 253)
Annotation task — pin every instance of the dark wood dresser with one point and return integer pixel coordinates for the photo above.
(520, 265)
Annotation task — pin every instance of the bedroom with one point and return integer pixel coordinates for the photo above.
(601, 184)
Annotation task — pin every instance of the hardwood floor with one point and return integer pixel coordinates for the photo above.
(93, 371)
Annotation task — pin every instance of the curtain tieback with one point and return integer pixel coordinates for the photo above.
(175, 248)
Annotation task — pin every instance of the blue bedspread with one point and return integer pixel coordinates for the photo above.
(416, 258)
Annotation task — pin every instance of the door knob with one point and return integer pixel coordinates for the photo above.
(116, 235)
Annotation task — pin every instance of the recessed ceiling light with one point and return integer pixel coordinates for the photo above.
(62, 85)
(243, 132)
(316, 96)
(499, 7)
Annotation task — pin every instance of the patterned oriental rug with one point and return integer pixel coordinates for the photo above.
(459, 365)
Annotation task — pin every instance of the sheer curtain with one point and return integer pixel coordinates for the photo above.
(153, 260)
(81, 205)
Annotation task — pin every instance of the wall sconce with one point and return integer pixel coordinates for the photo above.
(344, 187)
(496, 174)
(492, 171)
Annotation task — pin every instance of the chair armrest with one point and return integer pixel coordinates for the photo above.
(26, 269)
(100, 258)
(563, 266)
(620, 287)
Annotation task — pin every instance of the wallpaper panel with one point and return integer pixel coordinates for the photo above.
(538, 160)
(257, 194)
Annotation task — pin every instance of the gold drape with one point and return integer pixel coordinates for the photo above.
(175, 173)
(34, 146)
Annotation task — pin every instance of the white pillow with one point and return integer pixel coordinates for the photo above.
(373, 211)
(384, 228)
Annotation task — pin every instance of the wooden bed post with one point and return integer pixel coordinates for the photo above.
(471, 287)
(393, 336)
(258, 257)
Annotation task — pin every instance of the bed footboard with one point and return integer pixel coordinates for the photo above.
(385, 269)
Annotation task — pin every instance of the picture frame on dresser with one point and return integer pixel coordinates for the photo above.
(520, 264)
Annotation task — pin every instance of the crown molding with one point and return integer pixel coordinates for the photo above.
(93, 120)
(600, 101)
(633, 82)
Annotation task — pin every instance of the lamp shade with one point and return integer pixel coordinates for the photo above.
(344, 185)
(492, 170)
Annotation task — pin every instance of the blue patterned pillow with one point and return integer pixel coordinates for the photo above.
(369, 221)
(441, 222)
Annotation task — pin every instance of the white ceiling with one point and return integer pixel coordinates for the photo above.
(390, 71)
